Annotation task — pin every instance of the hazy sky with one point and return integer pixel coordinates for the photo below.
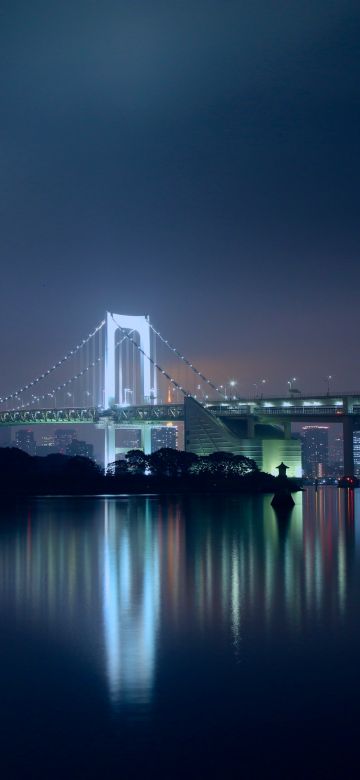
(198, 161)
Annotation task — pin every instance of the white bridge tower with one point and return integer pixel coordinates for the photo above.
(135, 330)
(132, 326)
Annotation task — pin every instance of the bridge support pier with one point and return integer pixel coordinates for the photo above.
(109, 445)
(146, 439)
(348, 445)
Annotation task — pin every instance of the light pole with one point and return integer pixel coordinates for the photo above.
(233, 383)
(71, 395)
(328, 380)
(290, 383)
(261, 382)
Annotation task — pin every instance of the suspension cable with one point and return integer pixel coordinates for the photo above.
(184, 359)
(72, 379)
(62, 386)
(156, 365)
(43, 376)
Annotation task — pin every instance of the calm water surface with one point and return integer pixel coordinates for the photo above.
(194, 637)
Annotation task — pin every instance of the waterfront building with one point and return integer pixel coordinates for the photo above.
(128, 439)
(315, 450)
(25, 441)
(164, 436)
(47, 445)
(336, 457)
(63, 438)
(78, 447)
(357, 453)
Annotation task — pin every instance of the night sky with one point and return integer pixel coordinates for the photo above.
(198, 161)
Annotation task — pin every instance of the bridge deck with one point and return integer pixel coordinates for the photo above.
(310, 408)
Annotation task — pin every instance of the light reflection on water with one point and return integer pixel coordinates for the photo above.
(118, 580)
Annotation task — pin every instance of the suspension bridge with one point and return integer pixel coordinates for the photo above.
(125, 373)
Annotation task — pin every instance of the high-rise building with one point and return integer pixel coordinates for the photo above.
(63, 438)
(78, 447)
(336, 456)
(129, 439)
(46, 445)
(315, 450)
(357, 453)
(163, 436)
(25, 441)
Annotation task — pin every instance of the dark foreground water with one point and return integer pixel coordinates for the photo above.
(193, 637)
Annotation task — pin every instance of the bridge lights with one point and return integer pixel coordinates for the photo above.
(53, 395)
(232, 384)
(70, 395)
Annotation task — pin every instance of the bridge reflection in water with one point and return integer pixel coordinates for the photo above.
(116, 580)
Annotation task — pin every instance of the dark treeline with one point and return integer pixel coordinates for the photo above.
(166, 470)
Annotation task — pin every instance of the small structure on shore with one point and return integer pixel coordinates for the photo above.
(282, 499)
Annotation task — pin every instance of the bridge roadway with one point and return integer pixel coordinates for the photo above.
(331, 409)
(341, 408)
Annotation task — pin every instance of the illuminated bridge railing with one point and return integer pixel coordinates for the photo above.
(220, 410)
(305, 410)
(142, 414)
(279, 411)
(122, 415)
(58, 416)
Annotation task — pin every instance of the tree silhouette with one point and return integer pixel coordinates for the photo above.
(137, 461)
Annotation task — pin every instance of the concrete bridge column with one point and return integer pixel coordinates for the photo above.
(348, 435)
(146, 439)
(109, 445)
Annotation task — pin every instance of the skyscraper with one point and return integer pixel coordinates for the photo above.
(47, 445)
(163, 436)
(357, 453)
(129, 438)
(63, 438)
(315, 450)
(78, 447)
(25, 441)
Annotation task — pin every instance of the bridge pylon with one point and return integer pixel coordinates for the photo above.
(114, 369)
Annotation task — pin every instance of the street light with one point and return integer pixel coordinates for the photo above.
(328, 380)
(290, 383)
(256, 385)
(233, 383)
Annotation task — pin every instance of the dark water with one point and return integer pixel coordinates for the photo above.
(191, 637)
